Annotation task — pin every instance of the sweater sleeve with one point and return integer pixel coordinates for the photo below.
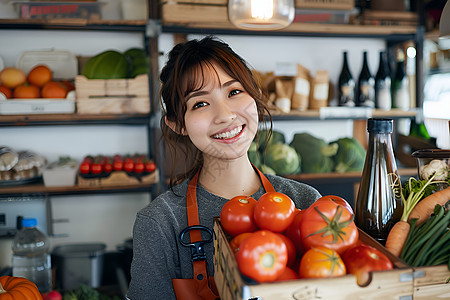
(154, 264)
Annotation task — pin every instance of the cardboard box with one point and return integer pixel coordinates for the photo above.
(112, 96)
(116, 178)
(388, 284)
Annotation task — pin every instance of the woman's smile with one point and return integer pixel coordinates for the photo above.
(225, 135)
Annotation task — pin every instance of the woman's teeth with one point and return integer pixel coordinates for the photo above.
(229, 134)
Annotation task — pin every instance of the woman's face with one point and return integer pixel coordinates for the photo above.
(221, 118)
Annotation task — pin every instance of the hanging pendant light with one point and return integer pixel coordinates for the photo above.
(261, 14)
(444, 23)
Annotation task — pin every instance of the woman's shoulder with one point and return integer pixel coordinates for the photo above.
(168, 200)
(301, 193)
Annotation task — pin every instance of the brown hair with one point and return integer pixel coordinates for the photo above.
(183, 74)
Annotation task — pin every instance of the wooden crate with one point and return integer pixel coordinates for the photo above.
(431, 283)
(118, 178)
(112, 96)
(389, 284)
(325, 5)
(195, 11)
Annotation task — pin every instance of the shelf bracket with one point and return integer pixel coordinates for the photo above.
(153, 28)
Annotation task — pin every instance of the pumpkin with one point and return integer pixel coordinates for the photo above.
(18, 288)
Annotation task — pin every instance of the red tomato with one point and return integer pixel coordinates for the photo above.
(237, 240)
(107, 165)
(293, 232)
(96, 168)
(362, 259)
(117, 165)
(321, 262)
(328, 224)
(338, 200)
(85, 167)
(262, 256)
(288, 274)
(274, 211)
(236, 215)
(138, 167)
(292, 254)
(128, 165)
(149, 165)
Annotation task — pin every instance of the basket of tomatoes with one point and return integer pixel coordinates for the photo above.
(104, 170)
(270, 249)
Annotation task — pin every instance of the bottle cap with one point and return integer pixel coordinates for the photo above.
(30, 222)
(380, 125)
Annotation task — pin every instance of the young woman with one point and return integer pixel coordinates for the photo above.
(211, 105)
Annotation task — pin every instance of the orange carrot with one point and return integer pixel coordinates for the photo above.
(397, 237)
(399, 233)
(423, 210)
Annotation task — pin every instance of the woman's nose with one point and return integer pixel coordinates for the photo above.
(224, 113)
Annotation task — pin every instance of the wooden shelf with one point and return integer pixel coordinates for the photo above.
(343, 177)
(343, 113)
(73, 119)
(74, 24)
(301, 29)
(39, 188)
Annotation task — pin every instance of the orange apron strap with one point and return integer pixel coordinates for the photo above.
(268, 187)
(193, 219)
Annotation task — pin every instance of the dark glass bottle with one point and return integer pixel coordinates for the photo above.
(366, 85)
(379, 205)
(383, 97)
(346, 85)
(400, 85)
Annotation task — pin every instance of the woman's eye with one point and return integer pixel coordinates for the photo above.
(234, 92)
(199, 104)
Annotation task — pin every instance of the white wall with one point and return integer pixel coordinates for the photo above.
(109, 218)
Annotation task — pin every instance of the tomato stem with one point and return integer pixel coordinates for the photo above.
(334, 226)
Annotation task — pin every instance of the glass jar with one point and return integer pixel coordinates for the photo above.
(430, 161)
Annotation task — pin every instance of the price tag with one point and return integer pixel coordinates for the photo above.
(342, 112)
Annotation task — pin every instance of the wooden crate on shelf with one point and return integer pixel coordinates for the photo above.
(117, 178)
(195, 11)
(390, 284)
(112, 96)
(325, 5)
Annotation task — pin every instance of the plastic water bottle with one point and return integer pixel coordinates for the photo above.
(31, 257)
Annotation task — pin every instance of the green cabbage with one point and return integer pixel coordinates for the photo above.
(282, 158)
(253, 155)
(262, 136)
(316, 154)
(350, 156)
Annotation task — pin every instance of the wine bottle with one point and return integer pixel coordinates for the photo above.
(366, 85)
(346, 85)
(379, 205)
(400, 84)
(383, 98)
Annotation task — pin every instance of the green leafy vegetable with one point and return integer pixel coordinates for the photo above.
(350, 156)
(315, 153)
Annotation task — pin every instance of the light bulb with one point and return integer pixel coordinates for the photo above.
(261, 14)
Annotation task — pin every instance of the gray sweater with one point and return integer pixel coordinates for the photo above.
(158, 255)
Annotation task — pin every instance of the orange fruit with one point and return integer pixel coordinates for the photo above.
(27, 92)
(6, 91)
(54, 89)
(12, 77)
(39, 75)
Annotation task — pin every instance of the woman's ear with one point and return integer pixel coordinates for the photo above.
(173, 126)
